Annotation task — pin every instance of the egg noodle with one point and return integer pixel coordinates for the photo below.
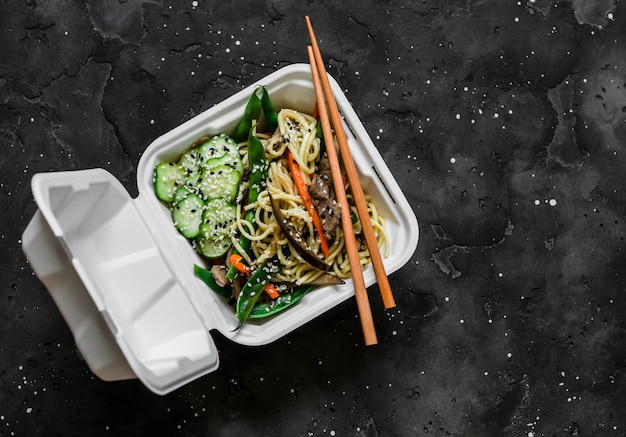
(297, 132)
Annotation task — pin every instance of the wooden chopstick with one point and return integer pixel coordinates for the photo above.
(360, 290)
(353, 177)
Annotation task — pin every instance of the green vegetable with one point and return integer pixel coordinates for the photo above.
(258, 167)
(284, 301)
(253, 288)
(258, 182)
(187, 214)
(268, 110)
(220, 148)
(214, 240)
(168, 176)
(252, 112)
(219, 182)
(206, 277)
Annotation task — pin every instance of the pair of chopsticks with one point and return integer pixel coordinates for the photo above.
(325, 97)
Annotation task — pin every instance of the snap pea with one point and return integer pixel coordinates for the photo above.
(206, 277)
(258, 166)
(257, 161)
(268, 110)
(284, 301)
(252, 289)
(252, 112)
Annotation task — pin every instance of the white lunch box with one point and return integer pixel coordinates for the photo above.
(122, 276)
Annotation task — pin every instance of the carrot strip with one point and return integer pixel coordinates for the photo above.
(237, 261)
(306, 199)
(271, 290)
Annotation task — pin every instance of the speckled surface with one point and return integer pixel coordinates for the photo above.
(503, 123)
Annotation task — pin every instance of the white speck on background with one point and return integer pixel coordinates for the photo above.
(552, 202)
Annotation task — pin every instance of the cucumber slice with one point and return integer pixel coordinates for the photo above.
(168, 176)
(190, 160)
(180, 193)
(217, 146)
(212, 246)
(191, 182)
(220, 150)
(231, 159)
(218, 218)
(220, 147)
(187, 214)
(219, 182)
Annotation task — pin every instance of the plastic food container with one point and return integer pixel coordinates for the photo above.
(122, 276)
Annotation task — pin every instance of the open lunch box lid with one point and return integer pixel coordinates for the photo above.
(122, 276)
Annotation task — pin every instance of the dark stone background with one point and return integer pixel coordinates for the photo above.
(504, 123)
